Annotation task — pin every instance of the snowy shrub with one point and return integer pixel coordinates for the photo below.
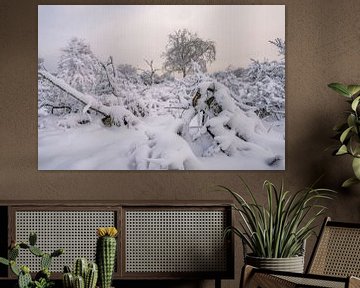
(264, 88)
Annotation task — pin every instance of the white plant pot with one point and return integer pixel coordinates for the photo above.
(291, 264)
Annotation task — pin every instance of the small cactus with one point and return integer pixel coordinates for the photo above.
(14, 268)
(106, 254)
(23, 273)
(13, 253)
(80, 268)
(68, 280)
(79, 282)
(89, 272)
(36, 251)
(57, 252)
(24, 280)
(91, 276)
(45, 261)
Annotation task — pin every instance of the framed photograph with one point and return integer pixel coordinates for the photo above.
(161, 87)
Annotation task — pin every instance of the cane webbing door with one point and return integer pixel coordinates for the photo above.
(154, 242)
(73, 230)
(165, 241)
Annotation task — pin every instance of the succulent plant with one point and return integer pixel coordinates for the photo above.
(85, 275)
(106, 254)
(42, 278)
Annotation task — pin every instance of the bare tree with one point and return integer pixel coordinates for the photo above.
(183, 47)
(149, 74)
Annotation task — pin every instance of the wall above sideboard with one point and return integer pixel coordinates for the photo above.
(323, 41)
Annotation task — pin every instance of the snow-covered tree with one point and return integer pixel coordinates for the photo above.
(78, 66)
(183, 48)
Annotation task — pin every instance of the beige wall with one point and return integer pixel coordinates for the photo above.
(323, 46)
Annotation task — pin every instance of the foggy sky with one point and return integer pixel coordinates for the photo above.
(132, 33)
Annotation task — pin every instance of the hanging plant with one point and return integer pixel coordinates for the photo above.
(348, 132)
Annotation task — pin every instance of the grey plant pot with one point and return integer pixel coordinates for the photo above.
(291, 264)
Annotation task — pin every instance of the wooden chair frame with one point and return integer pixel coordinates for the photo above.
(255, 277)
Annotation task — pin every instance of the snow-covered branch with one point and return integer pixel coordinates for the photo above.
(85, 99)
(119, 115)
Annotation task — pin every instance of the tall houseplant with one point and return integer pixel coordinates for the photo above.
(348, 132)
(276, 233)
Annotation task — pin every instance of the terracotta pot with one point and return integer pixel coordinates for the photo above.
(291, 264)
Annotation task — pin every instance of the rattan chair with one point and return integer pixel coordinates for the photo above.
(334, 263)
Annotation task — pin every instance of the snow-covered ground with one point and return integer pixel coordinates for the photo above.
(95, 147)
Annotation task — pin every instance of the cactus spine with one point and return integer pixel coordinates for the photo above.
(106, 254)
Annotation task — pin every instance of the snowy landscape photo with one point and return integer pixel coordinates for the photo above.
(161, 87)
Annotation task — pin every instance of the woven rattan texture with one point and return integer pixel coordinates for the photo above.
(305, 282)
(175, 241)
(75, 231)
(267, 280)
(338, 253)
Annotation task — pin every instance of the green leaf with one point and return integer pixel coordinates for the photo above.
(353, 89)
(349, 182)
(342, 150)
(351, 120)
(340, 88)
(356, 167)
(355, 103)
(354, 145)
(345, 134)
(4, 261)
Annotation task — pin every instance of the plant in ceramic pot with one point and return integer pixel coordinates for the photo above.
(348, 132)
(275, 233)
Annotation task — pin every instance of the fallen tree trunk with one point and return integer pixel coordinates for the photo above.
(85, 99)
(117, 115)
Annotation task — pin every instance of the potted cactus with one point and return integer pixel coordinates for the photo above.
(84, 275)
(42, 278)
(106, 254)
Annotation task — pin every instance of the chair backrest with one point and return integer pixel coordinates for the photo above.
(337, 251)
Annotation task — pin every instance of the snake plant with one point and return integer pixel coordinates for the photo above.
(279, 228)
(348, 132)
